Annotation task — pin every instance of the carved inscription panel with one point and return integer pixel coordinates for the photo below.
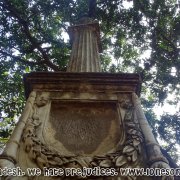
(85, 128)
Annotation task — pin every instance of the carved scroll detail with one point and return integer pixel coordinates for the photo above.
(156, 158)
(10, 151)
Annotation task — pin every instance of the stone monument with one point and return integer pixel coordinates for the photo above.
(82, 118)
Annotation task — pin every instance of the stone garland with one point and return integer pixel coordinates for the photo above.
(38, 152)
(126, 156)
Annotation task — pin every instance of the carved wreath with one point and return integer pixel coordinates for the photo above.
(126, 156)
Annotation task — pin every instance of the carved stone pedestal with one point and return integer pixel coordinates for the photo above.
(81, 120)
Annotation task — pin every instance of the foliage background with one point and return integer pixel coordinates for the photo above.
(142, 37)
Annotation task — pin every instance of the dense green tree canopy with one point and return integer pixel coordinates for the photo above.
(139, 36)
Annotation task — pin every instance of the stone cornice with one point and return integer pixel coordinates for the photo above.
(50, 81)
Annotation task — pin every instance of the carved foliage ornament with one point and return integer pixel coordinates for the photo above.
(125, 156)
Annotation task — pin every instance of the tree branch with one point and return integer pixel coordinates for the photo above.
(33, 41)
(170, 147)
(171, 161)
(18, 58)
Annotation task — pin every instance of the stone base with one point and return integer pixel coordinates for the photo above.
(80, 120)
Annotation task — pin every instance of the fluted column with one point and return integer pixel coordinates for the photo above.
(85, 51)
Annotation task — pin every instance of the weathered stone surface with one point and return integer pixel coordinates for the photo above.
(82, 120)
(73, 83)
(85, 50)
(85, 127)
(156, 159)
